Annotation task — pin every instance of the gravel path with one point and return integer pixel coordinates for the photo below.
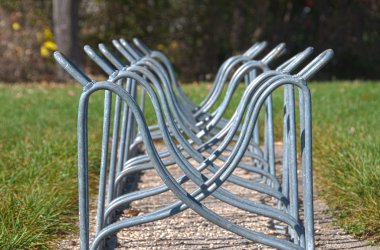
(188, 230)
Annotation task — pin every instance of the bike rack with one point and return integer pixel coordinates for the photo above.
(194, 132)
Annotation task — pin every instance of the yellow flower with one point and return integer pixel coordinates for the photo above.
(44, 52)
(16, 26)
(47, 47)
(50, 45)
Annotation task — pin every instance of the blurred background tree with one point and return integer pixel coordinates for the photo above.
(196, 34)
(66, 31)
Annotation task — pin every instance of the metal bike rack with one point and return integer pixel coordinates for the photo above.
(191, 131)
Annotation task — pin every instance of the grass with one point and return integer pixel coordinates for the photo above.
(37, 164)
(347, 153)
(38, 185)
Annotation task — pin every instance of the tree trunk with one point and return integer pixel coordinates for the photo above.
(65, 22)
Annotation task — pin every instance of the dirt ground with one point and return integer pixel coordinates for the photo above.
(187, 230)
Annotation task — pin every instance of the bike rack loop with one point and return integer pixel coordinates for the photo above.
(239, 129)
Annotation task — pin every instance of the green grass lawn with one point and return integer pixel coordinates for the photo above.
(38, 185)
(347, 153)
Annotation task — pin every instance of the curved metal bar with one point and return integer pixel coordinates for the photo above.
(147, 165)
(218, 82)
(136, 54)
(141, 45)
(278, 50)
(291, 64)
(123, 51)
(260, 46)
(274, 52)
(188, 168)
(320, 61)
(256, 94)
(111, 56)
(181, 115)
(253, 51)
(73, 70)
(203, 211)
(115, 139)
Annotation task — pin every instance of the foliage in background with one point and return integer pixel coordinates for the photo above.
(199, 35)
(26, 41)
